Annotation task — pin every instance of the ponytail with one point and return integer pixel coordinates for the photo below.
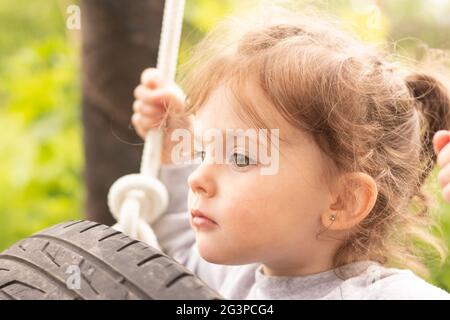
(433, 103)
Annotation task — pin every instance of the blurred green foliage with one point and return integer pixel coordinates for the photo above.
(41, 160)
(41, 153)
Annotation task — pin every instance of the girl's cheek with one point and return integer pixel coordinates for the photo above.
(249, 198)
(244, 212)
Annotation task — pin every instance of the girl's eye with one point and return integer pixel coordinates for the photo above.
(241, 160)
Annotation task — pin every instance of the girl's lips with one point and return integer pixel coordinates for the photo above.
(199, 220)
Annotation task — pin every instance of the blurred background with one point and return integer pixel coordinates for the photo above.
(66, 95)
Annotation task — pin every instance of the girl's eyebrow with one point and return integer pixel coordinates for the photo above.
(223, 132)
(198, 138)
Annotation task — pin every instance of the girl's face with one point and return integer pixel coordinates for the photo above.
(270, 219)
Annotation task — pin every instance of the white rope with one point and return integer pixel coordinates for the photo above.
(137, 200)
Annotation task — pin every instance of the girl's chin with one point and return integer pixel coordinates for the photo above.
(211, 253)
(214, 254)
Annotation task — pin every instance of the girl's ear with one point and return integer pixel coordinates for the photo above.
(355, 196)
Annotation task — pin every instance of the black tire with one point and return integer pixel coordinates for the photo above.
(110, 265)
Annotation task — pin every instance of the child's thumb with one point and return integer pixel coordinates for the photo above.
(152, 78)
(440, 140)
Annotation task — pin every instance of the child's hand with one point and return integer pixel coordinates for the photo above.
(153, 96)
(442, 149)
(157, 100)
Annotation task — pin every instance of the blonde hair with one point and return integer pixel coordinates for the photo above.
(363, 110)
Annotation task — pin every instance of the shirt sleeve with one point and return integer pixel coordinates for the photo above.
(173, 230)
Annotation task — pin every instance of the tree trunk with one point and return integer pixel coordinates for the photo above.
(119, 40)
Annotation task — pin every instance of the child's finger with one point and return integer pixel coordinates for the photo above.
(440, 140)
(160, 97)
(443, 157)
(152, 78)
(142, 93)
(136, 105)
(151, 97)
(147, 110)
(444, 176)
(165, 96)
(446, 193)
(145, 123)
(141, 132)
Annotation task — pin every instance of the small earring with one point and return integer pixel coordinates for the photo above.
(333, 217)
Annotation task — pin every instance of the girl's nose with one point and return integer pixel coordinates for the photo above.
(201, 180)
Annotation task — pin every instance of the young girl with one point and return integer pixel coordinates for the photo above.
(355, 147)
